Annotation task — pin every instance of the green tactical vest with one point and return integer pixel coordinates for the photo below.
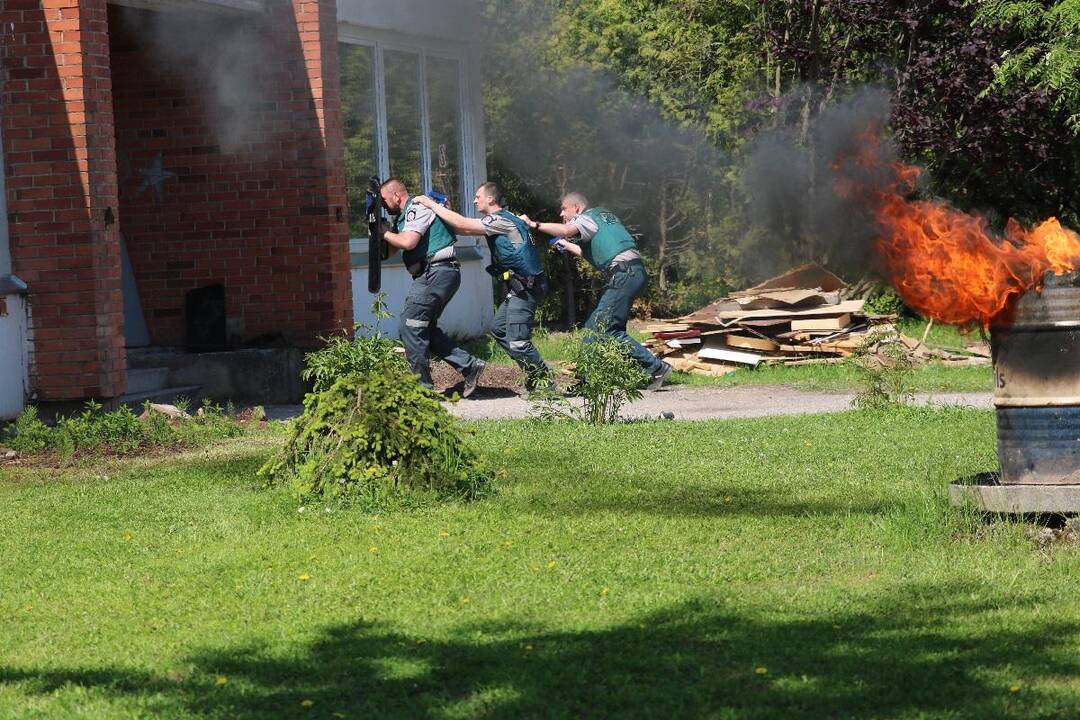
(437, 237)
(610, 240)
(522, 258)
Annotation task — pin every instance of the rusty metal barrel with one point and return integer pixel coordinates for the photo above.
(1037, 386)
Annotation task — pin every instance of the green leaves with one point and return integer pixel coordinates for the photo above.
(378, 437)
(1050, 58)
(367, 351)
(609, 376)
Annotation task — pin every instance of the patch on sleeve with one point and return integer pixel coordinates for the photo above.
(410, 216)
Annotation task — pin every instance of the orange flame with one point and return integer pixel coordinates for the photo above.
(947, 264)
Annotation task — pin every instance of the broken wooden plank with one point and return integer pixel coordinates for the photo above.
(838, 322)
(810, 275)
(751, 343)
(735, 356)
(730, 317)
(787, 299)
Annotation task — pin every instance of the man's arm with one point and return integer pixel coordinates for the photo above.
(564, 230)
(458, 223)
(559, 230)
(417, 221)
(405, 240)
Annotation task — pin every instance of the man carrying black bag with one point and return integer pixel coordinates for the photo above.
(427, 246)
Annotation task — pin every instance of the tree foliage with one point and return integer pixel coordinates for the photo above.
(1048, 59)
(658, 109)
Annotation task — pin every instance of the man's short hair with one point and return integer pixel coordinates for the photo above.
(576, 198)
(492, 189)
(394, 184)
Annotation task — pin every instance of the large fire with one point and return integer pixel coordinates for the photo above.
(948, 264)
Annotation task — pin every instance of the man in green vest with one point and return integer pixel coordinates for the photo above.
(427, 246)
(515, 261)
(607, 245)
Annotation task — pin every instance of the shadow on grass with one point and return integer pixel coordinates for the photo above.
(687, 501)
(914, 651)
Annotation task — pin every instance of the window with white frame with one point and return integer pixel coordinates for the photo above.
(402, 111)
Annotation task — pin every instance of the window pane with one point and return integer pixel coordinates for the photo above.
(403, 117)
(361, 130)
(444, 111)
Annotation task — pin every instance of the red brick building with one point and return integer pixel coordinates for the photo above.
(159, 147)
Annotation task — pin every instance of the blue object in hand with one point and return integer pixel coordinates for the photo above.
(437, 197)
(558, 248)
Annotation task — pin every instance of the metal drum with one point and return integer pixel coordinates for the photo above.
(1037, 386)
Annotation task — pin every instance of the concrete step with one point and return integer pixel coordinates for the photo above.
(146, 380)
(163, 396)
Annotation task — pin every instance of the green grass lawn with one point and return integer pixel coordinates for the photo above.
(800, 567)
(842, 377)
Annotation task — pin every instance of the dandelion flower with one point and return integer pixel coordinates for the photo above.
(373, 549)
(304, 578)
(551, 564)
(307, 703)
(605, 591)
(1014, 688)
(761, 670)
(221, 680)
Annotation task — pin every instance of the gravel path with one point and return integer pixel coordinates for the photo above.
(701, 403)
(689, 403)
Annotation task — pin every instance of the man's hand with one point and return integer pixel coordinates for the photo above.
(529, 222)
(561, 245)
(385, 226)
(425, 201)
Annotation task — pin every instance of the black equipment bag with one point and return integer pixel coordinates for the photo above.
(376, 244)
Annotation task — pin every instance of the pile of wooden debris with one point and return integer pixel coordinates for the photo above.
(801, 317)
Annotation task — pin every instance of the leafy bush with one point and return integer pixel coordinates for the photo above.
(119, 431)
(884, 302)
(886, 369)
(29, 434)
(367, 350)
(375, 438)
(684, 296)
(608, 376)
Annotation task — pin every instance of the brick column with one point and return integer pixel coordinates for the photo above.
(316, 24)
(56, 109)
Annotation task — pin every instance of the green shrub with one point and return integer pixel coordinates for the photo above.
(886, 369)
(685, 296)
(366, 351)
(377, 438)
(884, 302)
(119, 431)
(29, 434)
(608, 376)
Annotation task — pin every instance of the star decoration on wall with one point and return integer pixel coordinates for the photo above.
(154, 177)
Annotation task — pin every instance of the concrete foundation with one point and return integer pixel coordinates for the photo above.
(255, 376)
(986, 493)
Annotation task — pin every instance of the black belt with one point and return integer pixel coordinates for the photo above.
(624, 265)
(519, 284)
(421, 268)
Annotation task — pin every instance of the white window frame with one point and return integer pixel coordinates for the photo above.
(470, 140)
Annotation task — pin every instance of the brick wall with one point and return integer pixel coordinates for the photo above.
(242, 116)
(56, 109)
